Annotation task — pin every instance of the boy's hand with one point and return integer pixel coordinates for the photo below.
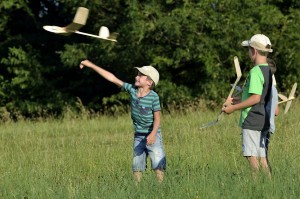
(227, 106)
(228, 109)
(228, 102)
(151, 139)
(85, 63)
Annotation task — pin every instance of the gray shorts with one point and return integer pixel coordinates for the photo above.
(254, 143)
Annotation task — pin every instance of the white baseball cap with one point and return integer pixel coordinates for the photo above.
(151, 72)
(259, 42)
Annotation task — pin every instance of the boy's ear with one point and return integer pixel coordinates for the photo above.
(251, 50)
(150, 82)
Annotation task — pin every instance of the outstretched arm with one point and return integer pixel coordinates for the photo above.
(104, 73)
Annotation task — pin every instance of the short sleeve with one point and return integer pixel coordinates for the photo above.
(156, 104)
(127, 87)
(256, 82)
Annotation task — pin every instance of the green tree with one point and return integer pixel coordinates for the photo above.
(192, 43)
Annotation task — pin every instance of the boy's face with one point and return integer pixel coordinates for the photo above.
(142, 80)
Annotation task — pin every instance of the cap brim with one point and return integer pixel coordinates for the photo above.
(141, 71)
(245, 43)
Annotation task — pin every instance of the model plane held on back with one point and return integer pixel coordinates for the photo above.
(282, 97)
(78, 22)
(289, 99)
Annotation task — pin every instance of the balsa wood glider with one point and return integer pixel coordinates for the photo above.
(78, 22)
(282, 97)
(288, 99)
(234, 86)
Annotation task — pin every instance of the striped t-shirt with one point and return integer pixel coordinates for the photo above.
(142, 109)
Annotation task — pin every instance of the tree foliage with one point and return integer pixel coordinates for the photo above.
(191, 43)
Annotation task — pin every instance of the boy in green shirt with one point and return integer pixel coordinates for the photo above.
(255, 120)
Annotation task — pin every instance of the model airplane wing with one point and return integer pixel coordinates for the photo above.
(282, 97)
(234, 86)
(238, 75)
(291, 97)
(78, 21)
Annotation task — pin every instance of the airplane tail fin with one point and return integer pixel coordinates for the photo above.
(104, 34)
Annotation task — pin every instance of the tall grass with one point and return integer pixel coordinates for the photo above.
(91, 158)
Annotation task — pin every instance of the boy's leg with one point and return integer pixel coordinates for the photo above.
(253, 147)
(268, 139)
(265, 164)
(158, 157)
(254, 165)
(159, 175)
(139, 156)
(137, 175)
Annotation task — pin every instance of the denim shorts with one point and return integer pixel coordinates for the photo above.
(254, 142)
(141, 151)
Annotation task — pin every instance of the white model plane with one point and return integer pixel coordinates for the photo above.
(78, 22)
(234, 87)
(281, 96)
(288, 99)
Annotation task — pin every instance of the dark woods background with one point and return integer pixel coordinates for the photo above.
(191, 43)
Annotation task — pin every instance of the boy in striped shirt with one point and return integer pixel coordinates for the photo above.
(145, 114)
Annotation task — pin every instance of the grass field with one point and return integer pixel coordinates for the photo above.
(91, 158)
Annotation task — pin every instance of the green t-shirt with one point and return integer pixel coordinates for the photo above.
(259, 82)
(142, 109)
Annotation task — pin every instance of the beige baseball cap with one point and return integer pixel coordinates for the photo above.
(151, 72)
(259, 42)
